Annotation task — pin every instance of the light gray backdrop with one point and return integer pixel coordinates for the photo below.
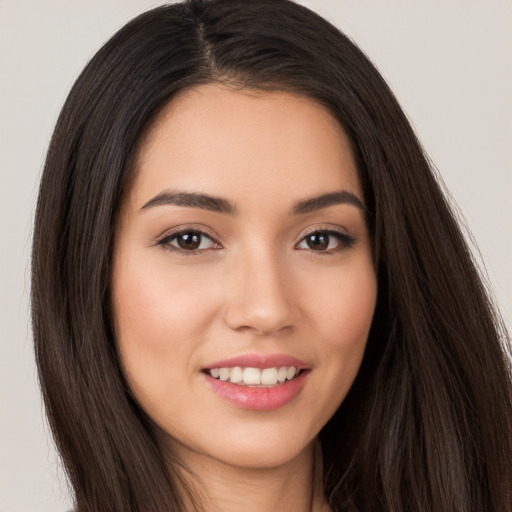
(449, 62)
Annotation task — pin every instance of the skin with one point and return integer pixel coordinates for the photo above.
(254, 286)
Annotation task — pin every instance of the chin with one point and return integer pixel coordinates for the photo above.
(254, 457)
(249, 447)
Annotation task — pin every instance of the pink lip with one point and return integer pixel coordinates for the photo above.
(259, 361)
(254, 398)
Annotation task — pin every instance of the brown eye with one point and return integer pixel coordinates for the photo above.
(326, 241)
(188, 241)
(318, 241)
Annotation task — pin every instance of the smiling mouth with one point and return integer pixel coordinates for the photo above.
(255, 377)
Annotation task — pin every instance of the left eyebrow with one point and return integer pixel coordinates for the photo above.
(325, 200)
(193, 200)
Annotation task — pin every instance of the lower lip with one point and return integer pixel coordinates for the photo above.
(258, 399)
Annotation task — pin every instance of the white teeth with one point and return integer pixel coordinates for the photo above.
(254, 376)
(281, 374)
(224, 373)
(290, 373)
(236, 375)
(269, 376)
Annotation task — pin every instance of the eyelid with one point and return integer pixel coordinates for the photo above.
(333, 228)
(183, 228)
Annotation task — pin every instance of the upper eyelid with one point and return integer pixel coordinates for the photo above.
(187, 228)
(330, 228)
(342, 235)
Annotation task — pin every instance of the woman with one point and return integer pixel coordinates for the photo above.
(248, 289)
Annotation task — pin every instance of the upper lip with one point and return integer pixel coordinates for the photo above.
(260, 361)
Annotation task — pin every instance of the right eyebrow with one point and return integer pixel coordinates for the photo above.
(192, 199)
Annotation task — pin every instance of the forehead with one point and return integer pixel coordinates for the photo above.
(228, 142)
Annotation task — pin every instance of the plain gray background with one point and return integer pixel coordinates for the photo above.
(448, 61)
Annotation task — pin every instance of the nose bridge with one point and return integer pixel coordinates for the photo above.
(261, 298)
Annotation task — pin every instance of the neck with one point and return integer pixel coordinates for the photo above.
(295, 485)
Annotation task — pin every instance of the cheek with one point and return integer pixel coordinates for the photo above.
(155, 304)
(158, 325)
(354, 312)
(344, 310)
(343, 316)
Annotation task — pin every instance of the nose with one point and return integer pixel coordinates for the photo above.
(261, 298)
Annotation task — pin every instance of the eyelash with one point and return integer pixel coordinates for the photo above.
(345, 241)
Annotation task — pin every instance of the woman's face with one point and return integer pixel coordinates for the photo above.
(243, 283)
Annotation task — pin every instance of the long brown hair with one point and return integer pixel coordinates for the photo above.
(427, 426)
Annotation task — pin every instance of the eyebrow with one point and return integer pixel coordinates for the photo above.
(325, 200)
(219, 205)
(194, 200)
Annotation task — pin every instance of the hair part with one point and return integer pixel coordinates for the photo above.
(427, 424)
